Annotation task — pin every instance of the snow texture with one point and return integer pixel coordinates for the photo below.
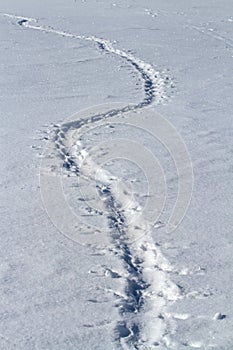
(163, 291)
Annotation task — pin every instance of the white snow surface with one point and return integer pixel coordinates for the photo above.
(59, 57)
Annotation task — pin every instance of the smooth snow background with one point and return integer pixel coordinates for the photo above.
(48, 284)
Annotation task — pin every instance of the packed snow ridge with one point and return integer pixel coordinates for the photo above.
(144, 321)
(154, 83)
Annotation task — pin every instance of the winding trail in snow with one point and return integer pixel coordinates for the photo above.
(148, 288)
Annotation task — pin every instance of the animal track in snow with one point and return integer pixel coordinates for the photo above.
(148, 288)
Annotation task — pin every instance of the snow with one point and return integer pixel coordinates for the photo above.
(71, 284)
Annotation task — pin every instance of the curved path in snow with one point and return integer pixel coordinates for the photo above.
(148, 288)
